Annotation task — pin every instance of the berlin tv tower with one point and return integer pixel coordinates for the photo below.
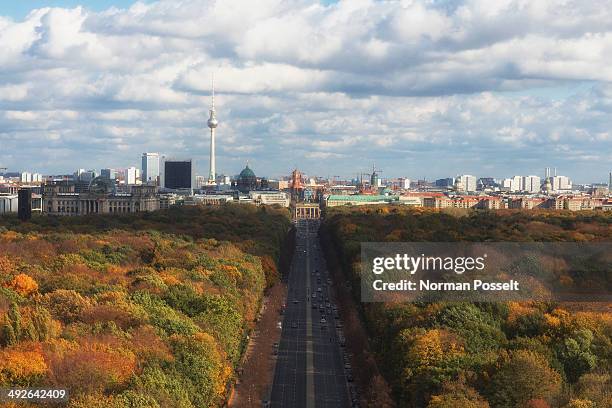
(212, 124)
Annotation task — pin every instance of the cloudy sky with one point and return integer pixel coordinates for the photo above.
(429, 88)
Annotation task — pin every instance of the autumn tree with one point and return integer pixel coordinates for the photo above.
(522, 376)
(23, 284)
(66, 305)
(457, 394)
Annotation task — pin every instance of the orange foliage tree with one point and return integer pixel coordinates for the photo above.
(23, 284)
(22, 365)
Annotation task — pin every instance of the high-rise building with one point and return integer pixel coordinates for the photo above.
(150, 168)
(179, 174)
(108, 174)
(468, 182)
(26, 177)
(24, 205)
(404, 183)
(513, 184)
(531, 184)
(131, 175)
(560, 183)
(212, 124)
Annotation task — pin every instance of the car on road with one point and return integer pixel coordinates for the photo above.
(323, 320)
(294, 325)
(295, 301)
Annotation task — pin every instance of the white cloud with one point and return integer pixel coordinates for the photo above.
(336, 86)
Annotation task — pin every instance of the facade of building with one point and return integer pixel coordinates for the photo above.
(63, 200)
(532, 184)
(270, 198)
(150, 168)
(213, 199)
(359, 199)
(445, 183)
(109, 174)
(560, 183)
(468, 182)
(132, 175)
(179, 175)
(8, 203)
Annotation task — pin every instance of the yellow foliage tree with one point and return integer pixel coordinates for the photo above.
(433, 346)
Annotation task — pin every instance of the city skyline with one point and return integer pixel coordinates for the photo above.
(458, 84)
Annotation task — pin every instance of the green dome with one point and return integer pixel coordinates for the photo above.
(246, 173)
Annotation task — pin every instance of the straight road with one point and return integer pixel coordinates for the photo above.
(310, 371)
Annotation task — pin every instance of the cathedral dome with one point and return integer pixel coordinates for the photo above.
(247, 180)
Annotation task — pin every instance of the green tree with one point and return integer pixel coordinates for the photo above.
(7, 335)
(576, 355)
(14, 318)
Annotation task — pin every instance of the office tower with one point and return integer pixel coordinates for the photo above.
(150, 168)
(212, 124)
(24, 206)
(179, 174)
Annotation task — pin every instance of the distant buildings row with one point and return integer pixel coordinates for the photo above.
(528, 184)
(82, 194)
(441, 200)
